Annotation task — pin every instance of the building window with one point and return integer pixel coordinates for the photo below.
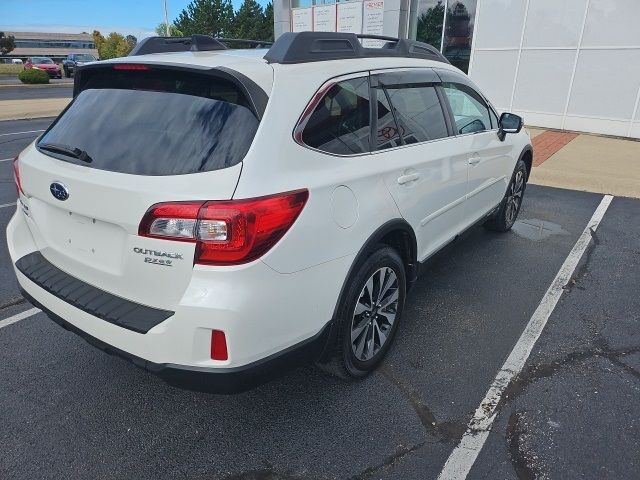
(35, 43)
(458, 32)
(429, 21)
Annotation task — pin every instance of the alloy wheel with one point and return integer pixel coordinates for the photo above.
(514, 197)
(374, 314)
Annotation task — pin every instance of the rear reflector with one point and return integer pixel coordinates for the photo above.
(16, 175)
(130, 66)
(229, 232)
(219, 345)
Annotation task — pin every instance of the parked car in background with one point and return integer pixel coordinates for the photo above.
(16, 61)
(74, 60)
(46, 64)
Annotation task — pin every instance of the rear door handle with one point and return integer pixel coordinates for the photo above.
(474, 160)
(411, 177)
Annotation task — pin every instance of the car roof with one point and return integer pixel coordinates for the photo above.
(247, 62)
(251, 62)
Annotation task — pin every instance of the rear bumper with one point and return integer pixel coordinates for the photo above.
(211, 380)
(273, 322)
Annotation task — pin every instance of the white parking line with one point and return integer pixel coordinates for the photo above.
(464, 455)
(6, 160)
(20, 133)
(19, 316)
(8, 205)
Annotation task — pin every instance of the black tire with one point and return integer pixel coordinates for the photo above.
(66, 72)
(344, 362)
(507, 213)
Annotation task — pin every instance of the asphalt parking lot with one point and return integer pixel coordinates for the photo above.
(67, 410)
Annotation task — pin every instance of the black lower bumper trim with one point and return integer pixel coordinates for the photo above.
(104, 305)
(211, 380)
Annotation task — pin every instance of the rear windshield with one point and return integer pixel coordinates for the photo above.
(154, 123)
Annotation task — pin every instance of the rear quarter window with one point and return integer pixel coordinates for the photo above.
(340, 122)
(156, 122)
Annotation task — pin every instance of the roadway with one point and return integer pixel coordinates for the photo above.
(19, 92)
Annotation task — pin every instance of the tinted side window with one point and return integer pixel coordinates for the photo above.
(419, 113)
(340, 122)
(470, 112)
(387, 133)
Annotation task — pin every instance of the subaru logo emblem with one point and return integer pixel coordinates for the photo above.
(59, 191)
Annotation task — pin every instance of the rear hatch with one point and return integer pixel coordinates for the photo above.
(134, 136)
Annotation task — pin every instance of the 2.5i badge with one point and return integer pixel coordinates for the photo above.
(157, 257)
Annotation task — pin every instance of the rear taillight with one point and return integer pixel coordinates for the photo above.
(228, 232)
(16, 175)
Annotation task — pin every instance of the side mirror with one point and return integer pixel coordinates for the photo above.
(509, 123)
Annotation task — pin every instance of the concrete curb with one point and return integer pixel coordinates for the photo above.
(40, 85)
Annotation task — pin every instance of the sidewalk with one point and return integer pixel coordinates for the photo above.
(585, 162)
(32, 108)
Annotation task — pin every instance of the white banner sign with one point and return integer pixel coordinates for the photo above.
(324, 18)
(373, 21)
(302, 20)
(350, 17)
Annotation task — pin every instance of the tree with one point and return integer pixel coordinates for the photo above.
(114, 45)
(248, 21)
(98, 41)
(7, 44)
(266, 30)
(207, 17)
(131, 41)
(430, 25)
(161, 30)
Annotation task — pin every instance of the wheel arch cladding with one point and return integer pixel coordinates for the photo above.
(395, 233)
(527, 157)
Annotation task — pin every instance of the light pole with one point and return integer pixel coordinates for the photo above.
(166, 20)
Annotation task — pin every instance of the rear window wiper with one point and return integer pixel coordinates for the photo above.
(66, 150)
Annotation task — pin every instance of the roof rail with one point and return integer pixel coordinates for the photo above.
(252, 43)
(194, 43)
(302, 47)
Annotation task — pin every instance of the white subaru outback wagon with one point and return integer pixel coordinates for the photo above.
(218, 216)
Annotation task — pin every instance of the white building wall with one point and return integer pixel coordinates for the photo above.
(572, 64)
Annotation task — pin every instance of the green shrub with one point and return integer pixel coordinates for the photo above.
(33, 76)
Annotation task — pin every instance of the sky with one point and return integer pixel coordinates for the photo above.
(135, 17)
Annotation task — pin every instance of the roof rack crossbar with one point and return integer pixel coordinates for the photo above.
(303, 47)
(246, 41)
(194, 43)
(377, 37)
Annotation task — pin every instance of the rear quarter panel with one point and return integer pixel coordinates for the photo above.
(327, 228)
